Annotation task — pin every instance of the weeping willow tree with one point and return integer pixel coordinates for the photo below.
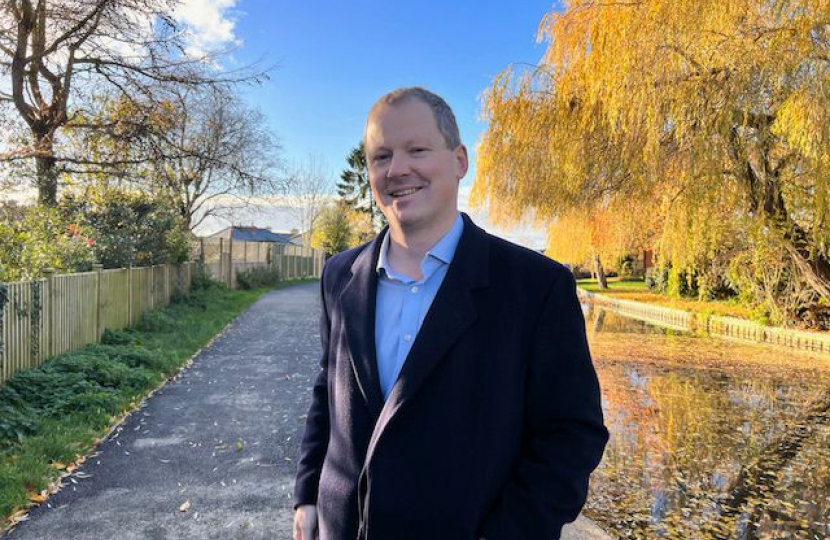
(716, 112)
(593, 237)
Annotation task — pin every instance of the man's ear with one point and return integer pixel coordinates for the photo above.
(462, 159)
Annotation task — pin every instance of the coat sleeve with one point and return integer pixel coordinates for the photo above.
(564, 435)
(316, 438)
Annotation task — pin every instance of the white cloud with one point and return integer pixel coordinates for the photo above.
(210, 24)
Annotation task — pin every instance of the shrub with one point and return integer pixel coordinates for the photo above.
(43, 238)
(131, 355)
(258, 277)
(119, 337)
(49, 391)
(155, 321)
(130, 228)
(201, 280)
(16, 418)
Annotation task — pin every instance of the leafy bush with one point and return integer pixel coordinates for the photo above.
(131, 355)
(104, 400)
(96, 380)
(16, 418)
(49, 391)
(131, 228)
(105, 371)
(43, 238)
(154, 321)
(201, 280)
(258, 277)
(673, 282)
(119, 337)
(657, 279)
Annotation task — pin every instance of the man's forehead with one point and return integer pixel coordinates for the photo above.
(411, 127)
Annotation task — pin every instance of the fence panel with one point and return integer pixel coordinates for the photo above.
(22, 327)
(74, 311)
(159, 285)
(115, 302)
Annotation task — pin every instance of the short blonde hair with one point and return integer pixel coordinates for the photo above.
(441, 111)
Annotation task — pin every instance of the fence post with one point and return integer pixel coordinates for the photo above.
(99, 301)
(221, 277)
(230, 260)
(166, 283)
(4, 297)
(49, 313)
(129, 295)
(152, 303)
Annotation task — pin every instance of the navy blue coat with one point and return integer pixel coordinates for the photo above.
(494, 423)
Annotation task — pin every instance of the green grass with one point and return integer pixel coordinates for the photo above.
(614, 285)
(53, 415)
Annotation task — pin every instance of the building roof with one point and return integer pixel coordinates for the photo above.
(255, 234)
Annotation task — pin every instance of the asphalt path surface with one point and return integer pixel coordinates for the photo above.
(219, 441)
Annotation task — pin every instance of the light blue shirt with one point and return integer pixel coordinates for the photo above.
(402, 303)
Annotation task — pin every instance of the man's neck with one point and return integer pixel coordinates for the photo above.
(408, 248)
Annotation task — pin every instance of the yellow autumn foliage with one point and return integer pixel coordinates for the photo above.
(710, 115)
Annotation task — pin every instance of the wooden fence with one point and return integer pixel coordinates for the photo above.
(225, 258)
(59, 313)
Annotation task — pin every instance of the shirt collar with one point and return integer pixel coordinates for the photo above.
(443, 250)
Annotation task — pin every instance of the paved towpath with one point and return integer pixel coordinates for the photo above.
(221, 439)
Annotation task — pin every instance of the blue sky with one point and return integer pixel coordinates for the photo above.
(334, 59)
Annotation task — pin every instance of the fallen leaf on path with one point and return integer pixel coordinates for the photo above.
(37, 497)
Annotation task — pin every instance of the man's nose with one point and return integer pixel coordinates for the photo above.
(398, 166)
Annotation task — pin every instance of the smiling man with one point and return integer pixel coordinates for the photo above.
(457, 399)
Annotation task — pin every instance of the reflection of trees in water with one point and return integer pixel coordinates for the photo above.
(607, 320)
(759, 484)
(680, 436)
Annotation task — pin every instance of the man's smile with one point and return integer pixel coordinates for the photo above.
(404, 192)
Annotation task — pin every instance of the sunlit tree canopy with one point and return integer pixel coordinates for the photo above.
(715, 111)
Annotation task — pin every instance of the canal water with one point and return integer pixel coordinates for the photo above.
(710, 439)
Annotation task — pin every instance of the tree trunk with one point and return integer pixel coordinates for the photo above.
(813, 267)
(765, 192)
(601, 279)
(47, 181)
(46, 168)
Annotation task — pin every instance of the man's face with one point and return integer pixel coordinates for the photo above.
(413, 175)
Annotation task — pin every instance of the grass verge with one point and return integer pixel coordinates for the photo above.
(54, 415)
(636, 290)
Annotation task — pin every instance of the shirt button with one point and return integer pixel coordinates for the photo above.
(414, 289)
(408, 337)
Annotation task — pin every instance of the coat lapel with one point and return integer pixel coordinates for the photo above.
(452, 312)
(358, 300)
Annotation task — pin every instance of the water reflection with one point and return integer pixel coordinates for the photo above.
(709, 439)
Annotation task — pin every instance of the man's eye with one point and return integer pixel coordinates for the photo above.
(416, 150)
(380, 157)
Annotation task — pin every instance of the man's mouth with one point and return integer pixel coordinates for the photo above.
(404, 192)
